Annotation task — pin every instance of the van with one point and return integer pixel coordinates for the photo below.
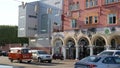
(41, 56)
(20, 54)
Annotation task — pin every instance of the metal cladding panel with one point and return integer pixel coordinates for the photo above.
(22, 22)
(28, 24)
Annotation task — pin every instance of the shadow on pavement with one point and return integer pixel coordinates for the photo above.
(44, 63)
(9, 66)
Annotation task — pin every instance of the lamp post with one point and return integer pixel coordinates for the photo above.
(49, 12)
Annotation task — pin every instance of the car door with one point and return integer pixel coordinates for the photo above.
(110, 62)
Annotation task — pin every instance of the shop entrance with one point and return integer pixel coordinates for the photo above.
(99, 45)
(84, 49)
(58, 46)
(70, 49)
(115, 43)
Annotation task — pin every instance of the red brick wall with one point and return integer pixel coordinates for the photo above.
(101, 10)
(7, 46)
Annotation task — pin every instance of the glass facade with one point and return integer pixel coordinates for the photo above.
(44, 24)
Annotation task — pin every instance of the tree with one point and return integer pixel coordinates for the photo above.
(8, 35)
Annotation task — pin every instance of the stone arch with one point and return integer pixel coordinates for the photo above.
(99, 42)
(85, 36)
(69, 37)
(57, 44)
(70, 47)
(53, 41)
(99, 35)
(83, 46)
(114, 41)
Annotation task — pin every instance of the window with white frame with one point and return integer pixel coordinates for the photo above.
(86, 20)
(95, 2)
(90, 19)
(111, 18)
(95, 19)
(74, 6)
(91, 3)
(87, 3)
(73, 23)
(111, 1)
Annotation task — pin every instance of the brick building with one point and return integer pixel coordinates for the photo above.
(89, 27)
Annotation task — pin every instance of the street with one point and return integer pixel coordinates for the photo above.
(54, 64)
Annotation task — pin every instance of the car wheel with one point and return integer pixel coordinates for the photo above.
(49, 61)
(19, 61)
(39, 60)
(29, 61)
(11, 60)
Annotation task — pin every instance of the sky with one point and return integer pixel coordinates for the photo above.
(9, 11)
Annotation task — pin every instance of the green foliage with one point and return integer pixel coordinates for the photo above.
(8, 35)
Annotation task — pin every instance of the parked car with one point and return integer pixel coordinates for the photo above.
(98, 62)
(41, 56)
(110, 52)
(58, 56)
(4, 53)
(20, 54)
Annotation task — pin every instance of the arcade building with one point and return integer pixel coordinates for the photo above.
(78, 28)
(89, 27)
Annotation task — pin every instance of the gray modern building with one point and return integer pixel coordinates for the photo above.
(37, 21)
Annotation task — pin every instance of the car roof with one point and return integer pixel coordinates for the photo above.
(35, 50)
(18, 48)
(103, 56)
(112, 50)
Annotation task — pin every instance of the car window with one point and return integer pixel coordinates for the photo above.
(117, 53)
(91, 59)
(25, 51)
(117, 60)
(106, 53)
(108, 60)
(42, 52)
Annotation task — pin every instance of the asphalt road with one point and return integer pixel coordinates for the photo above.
(54, 64)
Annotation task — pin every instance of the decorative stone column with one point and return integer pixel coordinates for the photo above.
(77, 51)
(52, 50)
(91, 49)
(64, 51)
(107, 47)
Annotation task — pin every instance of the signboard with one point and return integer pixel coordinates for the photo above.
(107, 30)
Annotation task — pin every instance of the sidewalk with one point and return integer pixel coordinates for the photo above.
(64, 63)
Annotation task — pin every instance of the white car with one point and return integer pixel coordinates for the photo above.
(110, 52)
(98, 62)
(41, 56)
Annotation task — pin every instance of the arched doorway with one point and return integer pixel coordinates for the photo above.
(70, 49)
(84, 49)
(115, 43)
(58, 46)
(99, 45)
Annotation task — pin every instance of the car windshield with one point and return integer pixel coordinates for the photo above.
(25, 51)
(91, 59)
(42, 52)
(106, 53)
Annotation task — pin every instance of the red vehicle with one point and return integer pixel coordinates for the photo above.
(20, 54)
